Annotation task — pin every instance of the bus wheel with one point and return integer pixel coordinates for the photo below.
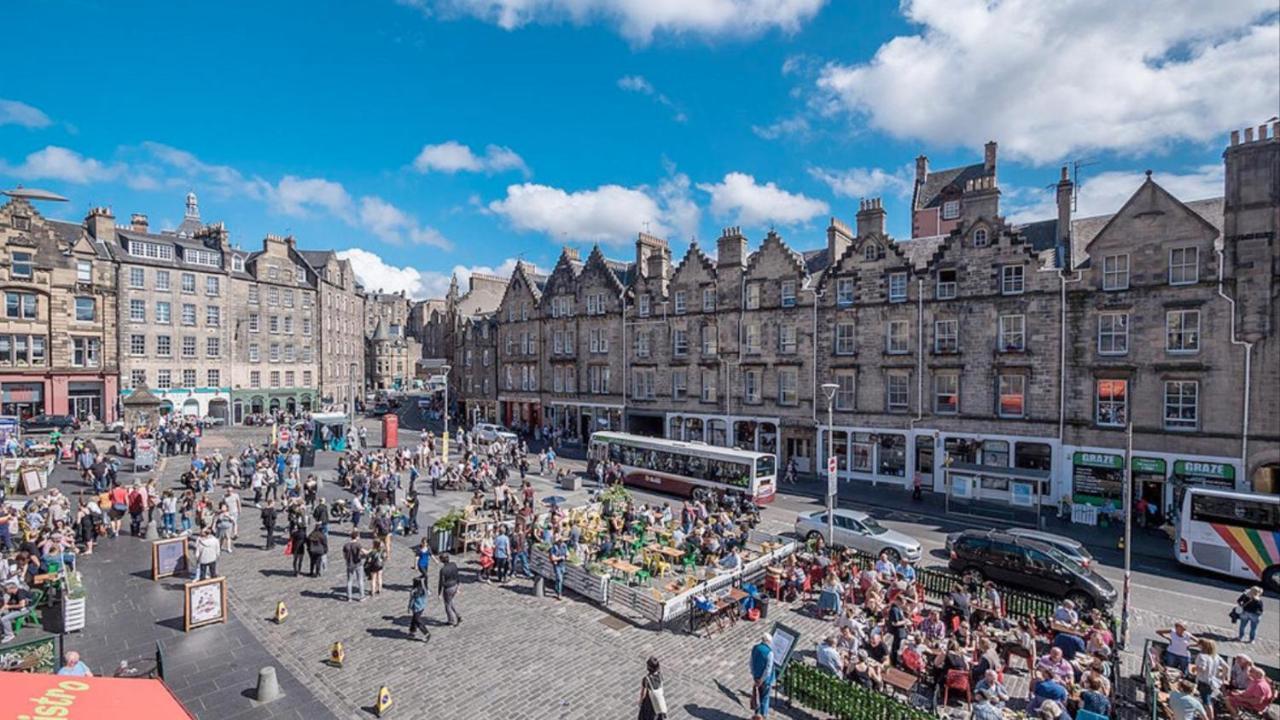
(1271, 579)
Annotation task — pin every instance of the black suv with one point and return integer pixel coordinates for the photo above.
(49, 423)
(1020, 562)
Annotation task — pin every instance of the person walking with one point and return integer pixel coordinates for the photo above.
(502, 554)
(448, 583)
(268, 515)
(653, 700)
(317, 548)
(423, 552)
(762, 675)
(354, 554)
(297, 546)
(374, 563)
(207, 551)
(417, 608)
(1248, 611)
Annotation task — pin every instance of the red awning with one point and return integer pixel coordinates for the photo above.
(87, 697)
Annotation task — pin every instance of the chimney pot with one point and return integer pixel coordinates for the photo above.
(1262, 132)
(138, 222)
(1248, 135)
(1235, 138)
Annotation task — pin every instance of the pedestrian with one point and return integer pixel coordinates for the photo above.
(317, 549)
(448, 583)
(1210, 671)
(297, 546)
(502, 554)
(1178, 654)
(72, 665)
(354, 554)
(1248, 612)
(653, 701)
(762, 675)
(268, 515)
(559, 554)
(917, 485)
(423, 552)
(374, 563)
(207, 550)
(417, 608)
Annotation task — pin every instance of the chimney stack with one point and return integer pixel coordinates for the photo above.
(138, 222)
(922, 170)
(731, 248)
(101, 224)
(989, 157)
(871, 216)
(571, 253)
(1065, 190)
(839, 237)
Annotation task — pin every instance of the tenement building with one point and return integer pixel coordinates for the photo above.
(469, 341)
(174, 314)
(391, 308)
(391, 357)
(58, 350)
(275, 364)
(340, 343)
(995, 361)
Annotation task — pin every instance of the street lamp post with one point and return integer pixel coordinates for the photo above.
(829, 389)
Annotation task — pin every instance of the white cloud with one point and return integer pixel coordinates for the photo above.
(452, 156)
(184, 170)
(376, 273)
(641, 85)
(59, 163)
(738, 196)
(606, 214)
(1104, 193)
(393, 225)
(795, 126)
(14, 112)
(867, 182)
(295, 196)
(1048, 79)
(638, 20)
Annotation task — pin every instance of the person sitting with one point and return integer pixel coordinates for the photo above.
(1057, 665)
(1046, 688)
(1070, 644)
(830, 599)
(1066, 614)
(829, 658)
(1053, 710)
(991, 686)
(1093, 699)
(1254, 698)
(1184, 704)
(865, 672)
(984, 708)
(932, 627)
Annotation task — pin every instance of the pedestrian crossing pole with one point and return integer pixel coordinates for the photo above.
(1128, 531)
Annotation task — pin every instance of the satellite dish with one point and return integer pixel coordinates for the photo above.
(34, 194)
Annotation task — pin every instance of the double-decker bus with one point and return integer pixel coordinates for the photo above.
(1232, 533)
(679, 467)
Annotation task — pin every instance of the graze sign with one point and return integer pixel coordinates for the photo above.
(1206, 473)
(1096, 477)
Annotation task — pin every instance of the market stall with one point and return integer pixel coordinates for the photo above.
(330, 431)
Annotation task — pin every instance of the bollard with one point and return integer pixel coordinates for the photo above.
(153, 532)
(539, 586)
(282, 612)
(383, 703)
(268, 686)
(337, 655)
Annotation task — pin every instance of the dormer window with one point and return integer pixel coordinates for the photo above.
(951, 210)
(20, 222)
(980, 238)
(870, 252)
(237, 263)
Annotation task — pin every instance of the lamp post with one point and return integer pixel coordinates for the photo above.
(829, 389)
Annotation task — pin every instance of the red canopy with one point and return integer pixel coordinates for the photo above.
(87, 697)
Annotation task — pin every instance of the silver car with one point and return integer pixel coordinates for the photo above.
(861, 532)
(488, 433)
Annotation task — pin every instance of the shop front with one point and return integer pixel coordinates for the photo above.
(521, 412)
(1219, 475)
(244, 404)
(576, 422)
(199, 402)
(22, 398)
(1097, 478)
(1149, 479)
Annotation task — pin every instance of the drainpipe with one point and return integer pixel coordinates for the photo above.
(919, 354)
(814, 342)
(626, 358)
(1248, 365)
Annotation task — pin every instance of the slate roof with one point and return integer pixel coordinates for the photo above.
(69, 233)
(815, 261)
(625, 271)
(929, 194)
(919, 251)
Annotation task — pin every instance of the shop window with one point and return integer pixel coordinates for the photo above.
(862, 452)
(995, 453)
(961, 450)
(892, 455)
(840, 448)
(1033, 456)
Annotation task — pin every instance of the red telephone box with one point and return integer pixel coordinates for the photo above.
(390, 430)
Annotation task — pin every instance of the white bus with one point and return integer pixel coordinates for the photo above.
(1232, 533)
(679, 467)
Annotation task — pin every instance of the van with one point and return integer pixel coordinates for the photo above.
(1029, 564)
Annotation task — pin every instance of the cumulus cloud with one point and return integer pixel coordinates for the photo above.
(452, 157)
(1105, 192)
(638, 20)
(14, 112)
(867, 182)
(608, 214)
(59, 163)
(739, 197)
(376, 273)
(641, 85)
(296, 196)
(795, 126)
(393, 225)
(1048, 79)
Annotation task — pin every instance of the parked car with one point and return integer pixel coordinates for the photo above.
(489, 432)
(49, 423)
(860, 531)
(1026, 563)
(1073, 549)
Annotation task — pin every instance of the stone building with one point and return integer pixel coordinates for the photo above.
(274, 340)
(175, 311)
(391, 358)
(427, 324)
(58, 351)
(999, 362)
(391, 308)
(469, 338)
(341, 330)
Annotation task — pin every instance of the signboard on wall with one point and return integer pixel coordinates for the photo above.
(1020, 494)
(962, 486)
(1096, 477)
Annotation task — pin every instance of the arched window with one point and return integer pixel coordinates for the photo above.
(980, 237)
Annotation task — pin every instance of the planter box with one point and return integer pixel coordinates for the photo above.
(571, 482)
(576, 577)
(441, 541)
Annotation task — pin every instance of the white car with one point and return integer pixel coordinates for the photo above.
(861, 532)
(489, 432)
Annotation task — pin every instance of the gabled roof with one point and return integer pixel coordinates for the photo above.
(618, 273)
(816, 261)
(71, 233)
(1085, 230)
(919, 251)
(930, 193)
(695, 254)
(774, 239)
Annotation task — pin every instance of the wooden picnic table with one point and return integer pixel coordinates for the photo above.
(673, 553)
(900, 680)
(622, 566)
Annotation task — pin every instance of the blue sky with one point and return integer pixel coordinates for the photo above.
(432, 136)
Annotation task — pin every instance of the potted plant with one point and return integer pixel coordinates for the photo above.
(614, 494)
(442, 530)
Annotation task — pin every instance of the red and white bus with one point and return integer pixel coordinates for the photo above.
(679, 467)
